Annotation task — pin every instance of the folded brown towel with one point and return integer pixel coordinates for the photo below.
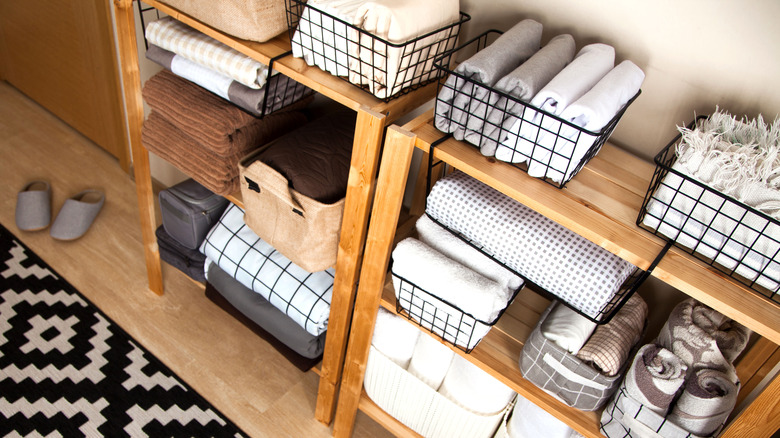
(214, 122)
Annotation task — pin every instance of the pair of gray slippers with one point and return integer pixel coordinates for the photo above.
(33, 211)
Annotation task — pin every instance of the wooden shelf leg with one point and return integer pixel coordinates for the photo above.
(370, 126)
(131, 80)
(761, 418)
(393, 174)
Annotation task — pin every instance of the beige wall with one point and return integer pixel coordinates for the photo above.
(696, 54)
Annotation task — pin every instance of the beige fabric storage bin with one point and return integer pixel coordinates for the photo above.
(304, 230)
(419, 406)
(256, 20)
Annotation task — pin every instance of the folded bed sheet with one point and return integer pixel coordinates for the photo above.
(304, 297)
(555, 258)
(264, 314)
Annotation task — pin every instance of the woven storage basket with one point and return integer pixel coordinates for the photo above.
(256, 20)
(419, 406)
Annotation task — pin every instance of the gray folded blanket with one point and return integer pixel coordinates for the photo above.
(705, 403)
(703, 338)
(655, 377)
(522, 83)
(485, 67)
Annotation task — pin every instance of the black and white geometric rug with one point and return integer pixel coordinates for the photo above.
(67, 370)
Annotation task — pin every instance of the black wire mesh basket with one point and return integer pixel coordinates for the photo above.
(446, 320)
(383, 68)
(728, 235)
(536, 141)
(281, 91)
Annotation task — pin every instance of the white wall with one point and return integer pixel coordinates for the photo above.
(696, 54)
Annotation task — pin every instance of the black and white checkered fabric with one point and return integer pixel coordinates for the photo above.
(544, 252)
(303, 296)
(563, 375)
(624, 417)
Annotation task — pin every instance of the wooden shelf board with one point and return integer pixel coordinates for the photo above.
(602, 204)
(368, 407)
(499, 353)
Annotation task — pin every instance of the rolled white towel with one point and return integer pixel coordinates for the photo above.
(588, 67)
(430, 361)
(442, 240)
(567, 328)
(705, 403)
(474, 389)
(395, 337)
(447, 279)
(531, 421)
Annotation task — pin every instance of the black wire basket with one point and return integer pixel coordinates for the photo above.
(385, 69)
(446, 320)
(536, 141)
(724, 233)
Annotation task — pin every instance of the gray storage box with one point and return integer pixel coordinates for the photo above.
(189, 210)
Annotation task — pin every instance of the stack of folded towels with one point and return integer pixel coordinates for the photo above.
(326, 36)
(586, 90)
(202, 134)
(686, 376)
(218, 68)
(735, 158)
(448, 286)
(437, 366)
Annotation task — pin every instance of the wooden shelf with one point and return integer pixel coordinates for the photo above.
(601, 203)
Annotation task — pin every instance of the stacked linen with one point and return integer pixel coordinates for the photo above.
(735, 160)
(554, 149)
(424, 385)
(455, 302)
(558, 260)
(684, 383)
(303, 296)
(203, 135)
(459, 94)
(327, 37)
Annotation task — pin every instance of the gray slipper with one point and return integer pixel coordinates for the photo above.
(33, 206)
(77, 214)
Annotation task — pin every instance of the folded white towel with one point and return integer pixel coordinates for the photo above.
(530, 421)
(568, 329)
(447, 279)
(523, 83)
(394, 337)
(474, 389)
(430, 361)
(588, 67)
(486, 67)
(323, 41)
(445, 242)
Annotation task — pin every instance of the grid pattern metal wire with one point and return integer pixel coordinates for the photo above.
(343, 49)
(448, 321)
(724, 233)
(533, 138)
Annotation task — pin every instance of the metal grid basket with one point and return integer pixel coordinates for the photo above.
(724, 233)
(448, 321)
(542, 144)
(381, 67)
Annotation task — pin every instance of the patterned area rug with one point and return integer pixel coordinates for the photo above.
(67, 370)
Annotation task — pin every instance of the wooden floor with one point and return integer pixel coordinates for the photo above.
(239, 373)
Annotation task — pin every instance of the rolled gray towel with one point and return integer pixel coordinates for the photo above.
(523, 83)
(655, 377)
(486, 67)
(705, 403)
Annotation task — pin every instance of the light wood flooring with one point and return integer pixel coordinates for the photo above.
(238, 372)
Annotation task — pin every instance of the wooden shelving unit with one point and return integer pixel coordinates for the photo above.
(601, 203)
(373, 116)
